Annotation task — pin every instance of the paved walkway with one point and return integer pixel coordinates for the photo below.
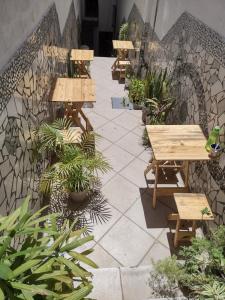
(135, 233)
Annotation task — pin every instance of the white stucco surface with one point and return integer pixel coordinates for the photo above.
(18, 18)
(211, 12)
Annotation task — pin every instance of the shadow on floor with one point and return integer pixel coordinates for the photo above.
(158, 217)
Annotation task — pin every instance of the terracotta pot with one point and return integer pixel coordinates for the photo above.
(79, 196)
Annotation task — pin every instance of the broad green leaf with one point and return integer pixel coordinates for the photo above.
(79, 294)
(24, 267)
(2, 297)
(46, 267)
(5, 245)
(76, 270)
(83, 258)
(24, 207)
(77, 243)
(39, 220)
(10, 220)
(27, 295)
(78, 232)
(5, 272)
(34, 289)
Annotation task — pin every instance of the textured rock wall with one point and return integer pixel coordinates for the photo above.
(24, 92)
(194, 56)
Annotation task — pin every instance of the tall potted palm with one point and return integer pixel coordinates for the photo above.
(77, 164)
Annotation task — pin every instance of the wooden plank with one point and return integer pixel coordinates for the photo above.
(177, 142)
(82, 55)
(117, 44)
(74, 90)
(190, 205)
(169, 191)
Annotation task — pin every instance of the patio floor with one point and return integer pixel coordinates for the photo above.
(135, 233)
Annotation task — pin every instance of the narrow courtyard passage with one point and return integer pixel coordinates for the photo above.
(135, 233)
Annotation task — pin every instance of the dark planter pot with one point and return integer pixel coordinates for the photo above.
(144, 114)
(79, 196)
(137, 106)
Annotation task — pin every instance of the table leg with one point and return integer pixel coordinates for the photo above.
(155, 186)
(186, 173)
(114, 64)
(194, 225)
(176, 237)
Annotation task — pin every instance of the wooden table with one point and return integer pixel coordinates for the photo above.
(74, 92)
(122, 48)
(174, 146)
(80, 58)
(190, 208)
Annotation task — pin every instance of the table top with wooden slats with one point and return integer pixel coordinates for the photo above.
(190, 206)
(177, 142)
(74, 90)
(82, 55)
(117, 44)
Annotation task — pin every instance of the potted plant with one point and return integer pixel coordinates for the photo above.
(76, 166)
(123, 32)
(129, 73)
(45, 264)
(136, 92)
(157, 99)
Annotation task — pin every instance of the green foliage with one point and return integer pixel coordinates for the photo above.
(214, 290)
(77, 164)
(157, 99)
(203, 270)
(123, 32)
(46, 263)
(136, 91)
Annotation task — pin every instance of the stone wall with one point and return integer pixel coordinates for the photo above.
(25, 84)
(194, 56)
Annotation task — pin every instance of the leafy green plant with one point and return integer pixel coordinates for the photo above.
(203, 269)
(77, 165)
(157, 85)
(136, 91)
(214, 290)
(46, 263)
(123, 32)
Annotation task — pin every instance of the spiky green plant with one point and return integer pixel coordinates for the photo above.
(123, 32)
(46, 263)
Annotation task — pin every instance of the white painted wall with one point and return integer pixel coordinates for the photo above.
(211, 12)
(18, 18)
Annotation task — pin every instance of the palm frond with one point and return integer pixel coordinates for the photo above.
(62, 123)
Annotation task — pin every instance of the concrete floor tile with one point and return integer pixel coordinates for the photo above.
(101, 228)
(127, 121)
(157, 252)
(121, 193)
(146, 155)
(102, 258)
(135, 283)
(96, 120)
(117, 157)
(109, 289)
(131, 143)
(127, 242)
(111, 131)
(139, 130)
(102, 144)
(147, 218)
(135, 172)
(104, 178)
